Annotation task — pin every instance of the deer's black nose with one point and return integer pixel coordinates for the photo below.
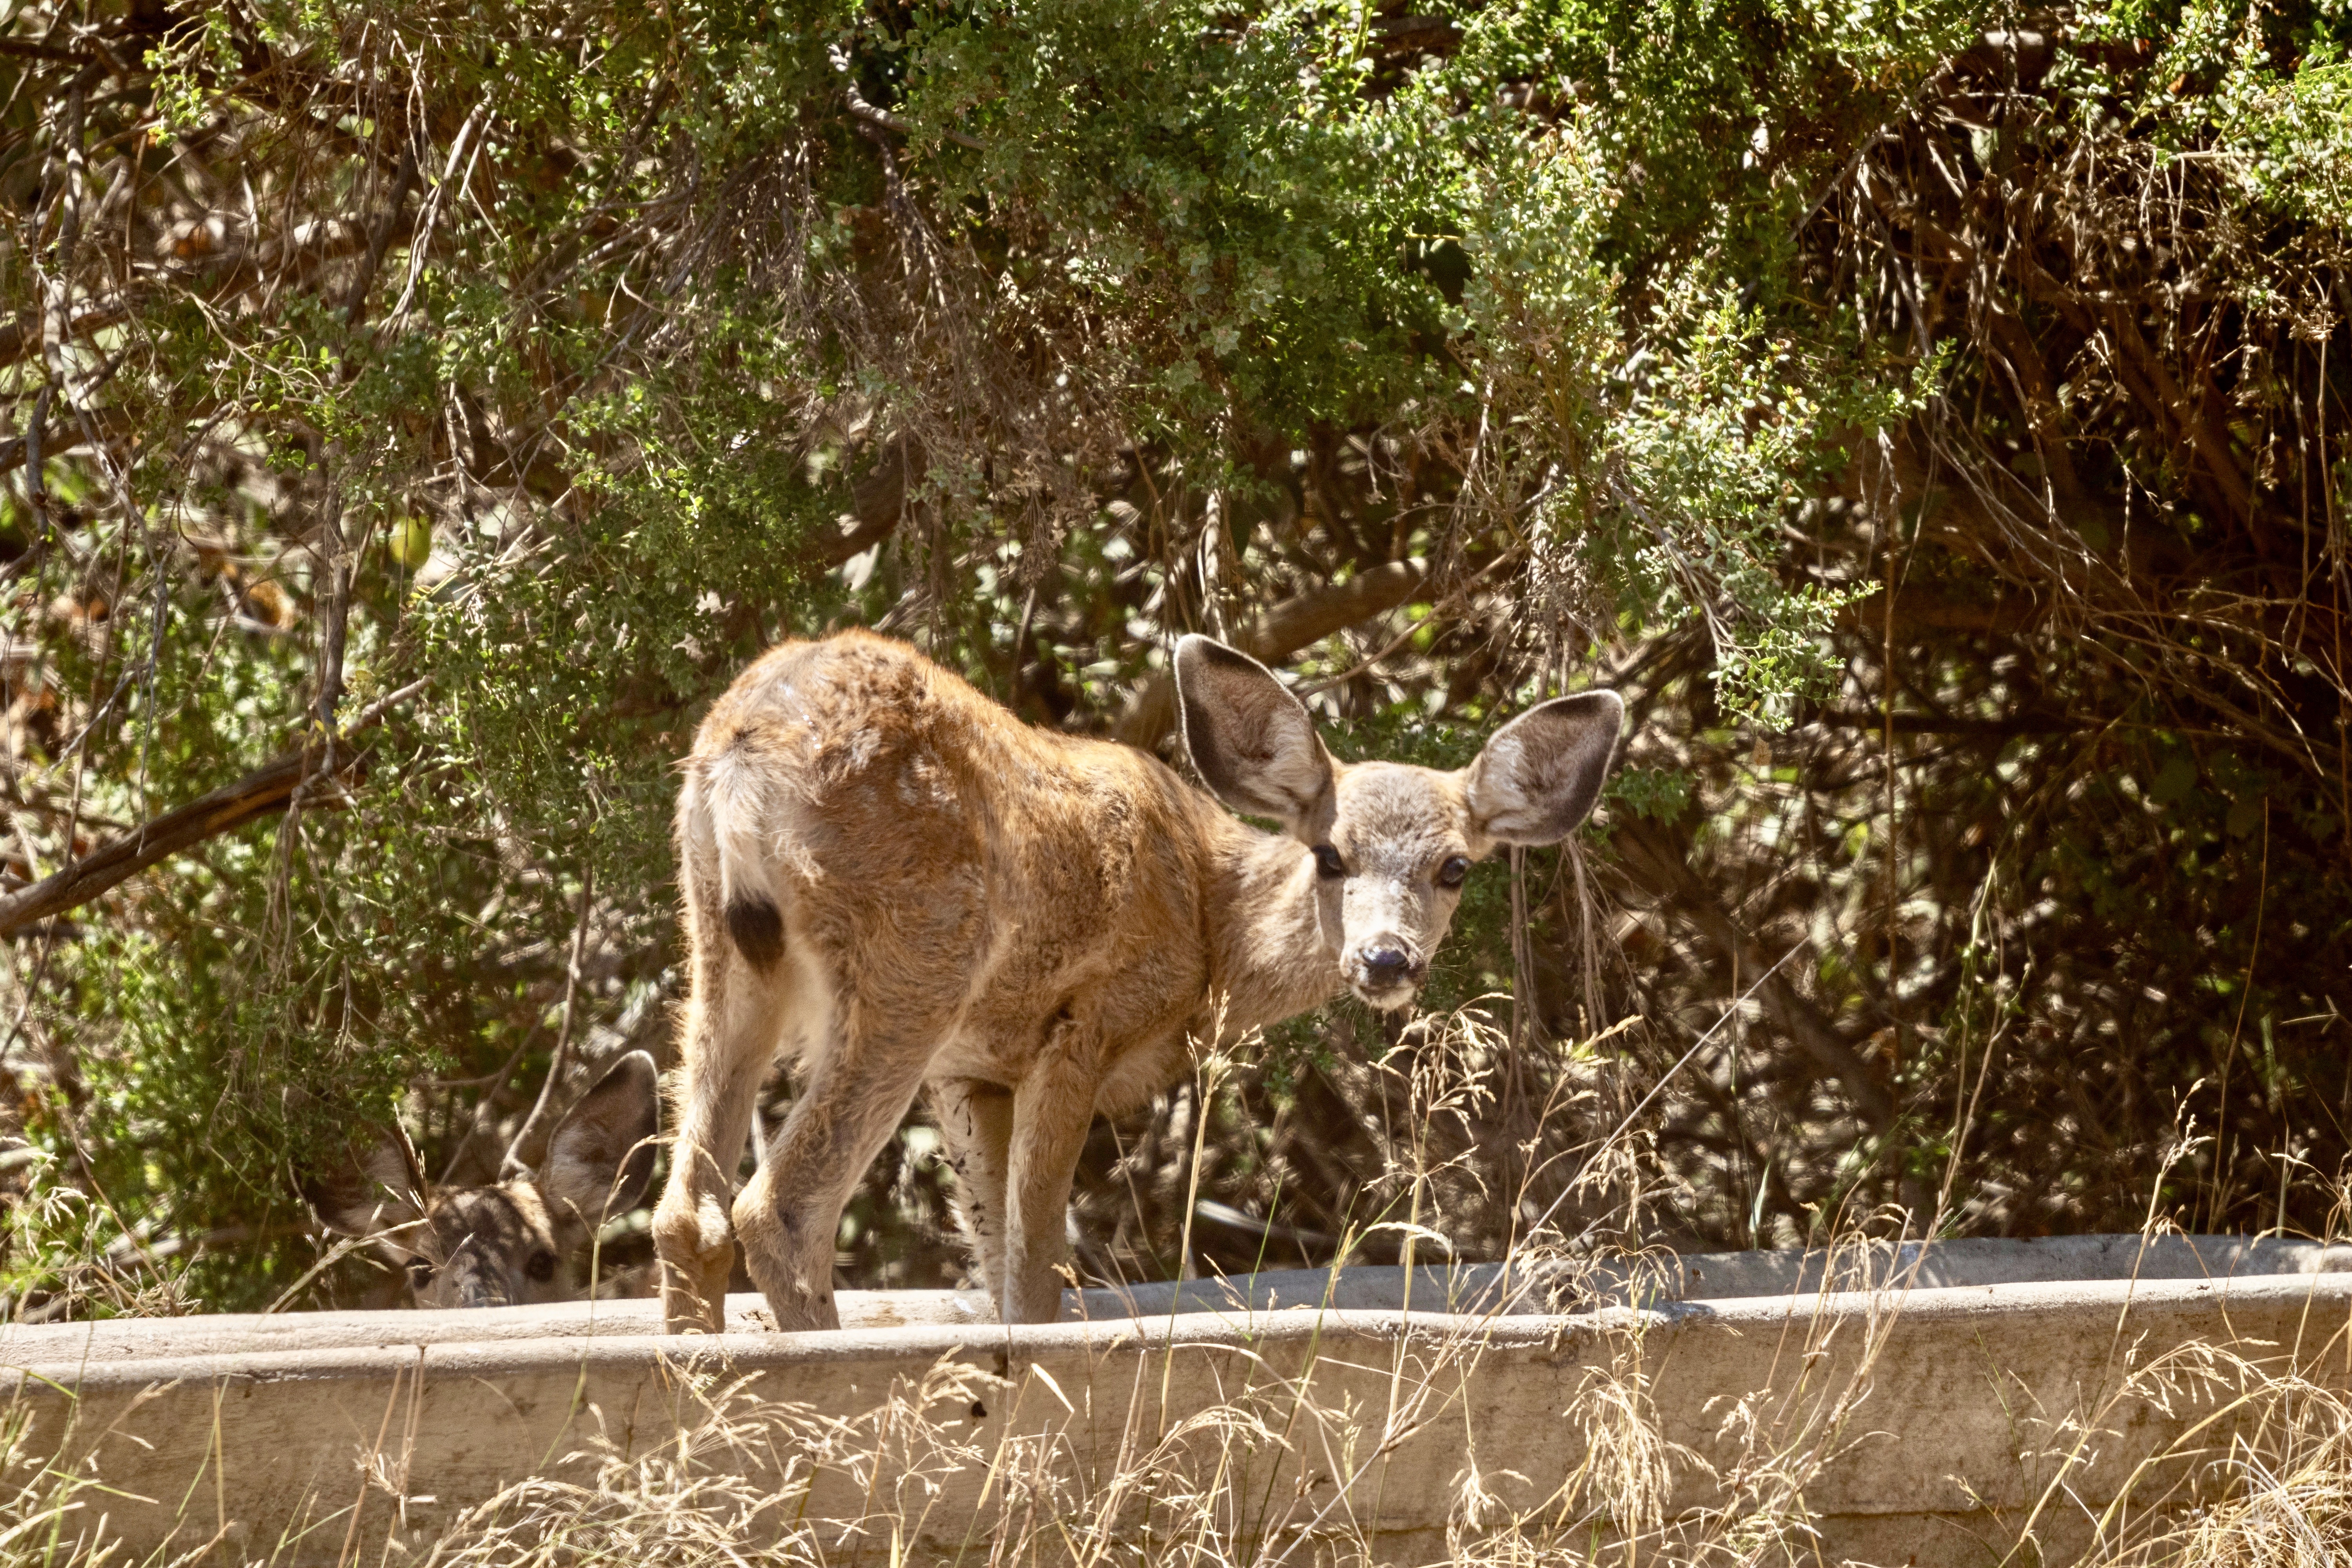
(1386, 965)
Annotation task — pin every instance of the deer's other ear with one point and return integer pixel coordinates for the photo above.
(601, 1158)
(1539, 776)
(1251, 739)
(370, 1185)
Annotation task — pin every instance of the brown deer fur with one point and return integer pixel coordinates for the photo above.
(891, 878)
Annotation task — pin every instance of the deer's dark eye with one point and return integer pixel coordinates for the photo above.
(542, 1266)
(420, 1274)
(1452, 870)
(1328, 863)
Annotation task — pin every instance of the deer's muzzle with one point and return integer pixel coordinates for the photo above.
(1385, 970)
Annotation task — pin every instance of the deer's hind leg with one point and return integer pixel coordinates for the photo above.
(734, 1018)
(860, 1088)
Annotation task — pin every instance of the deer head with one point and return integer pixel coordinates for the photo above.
(507, 1243)
(1392, 843)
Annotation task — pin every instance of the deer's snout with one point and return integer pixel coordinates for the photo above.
(480, 1290)
(1385, 969)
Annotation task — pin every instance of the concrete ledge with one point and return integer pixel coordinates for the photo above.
(1926, 1423)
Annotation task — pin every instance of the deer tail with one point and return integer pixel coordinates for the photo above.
(734, 811)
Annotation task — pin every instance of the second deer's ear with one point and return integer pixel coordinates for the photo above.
(601, 1158)
(1540, 775)
(369, 1186)
(1252, 740)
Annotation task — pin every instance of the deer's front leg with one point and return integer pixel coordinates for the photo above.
(976, 1124)
(1051, 1113)
(790, 1212)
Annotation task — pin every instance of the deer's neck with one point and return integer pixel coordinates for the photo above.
(1269, 959)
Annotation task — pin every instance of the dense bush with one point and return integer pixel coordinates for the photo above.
(1930, 418)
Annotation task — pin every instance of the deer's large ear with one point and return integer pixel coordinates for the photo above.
(1539, 776)
(601, 1158)
(371, 1185)
(1251, 739)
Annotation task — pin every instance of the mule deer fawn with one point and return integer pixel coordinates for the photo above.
(888, 875)
(508, 1243)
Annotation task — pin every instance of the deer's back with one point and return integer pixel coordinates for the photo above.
(920, 836)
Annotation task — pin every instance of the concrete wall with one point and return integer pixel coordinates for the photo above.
(1925, 1423)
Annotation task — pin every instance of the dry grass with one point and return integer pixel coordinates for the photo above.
(1289, 1467)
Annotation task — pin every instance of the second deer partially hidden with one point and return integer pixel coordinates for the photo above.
(893, 879)
(512, 1242)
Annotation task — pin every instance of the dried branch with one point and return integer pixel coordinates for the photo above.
(1296, 622)
(877, 501)
(259, 793)
(1667, 875)
(529, 1146)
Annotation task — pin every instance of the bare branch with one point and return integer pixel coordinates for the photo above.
(877, 499)
(1298, 622)
(1658, 866)
(259, 793)
(529, 1146)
